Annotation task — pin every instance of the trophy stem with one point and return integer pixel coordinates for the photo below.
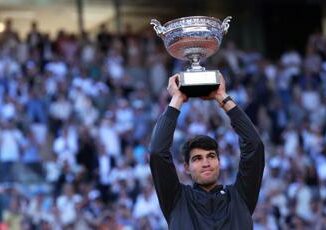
(195, 63)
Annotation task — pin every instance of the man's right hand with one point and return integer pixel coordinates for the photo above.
(178, 98)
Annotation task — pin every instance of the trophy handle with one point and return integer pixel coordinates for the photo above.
(225, 24)
(159, 29)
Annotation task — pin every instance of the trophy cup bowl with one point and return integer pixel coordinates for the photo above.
(194, 39)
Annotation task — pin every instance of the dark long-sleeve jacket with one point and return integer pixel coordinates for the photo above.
(224, 207)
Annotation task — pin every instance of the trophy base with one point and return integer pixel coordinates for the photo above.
(199, 83)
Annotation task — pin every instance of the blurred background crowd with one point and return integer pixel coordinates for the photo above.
(76, 115)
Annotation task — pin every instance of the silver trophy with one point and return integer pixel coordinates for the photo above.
(194, 39)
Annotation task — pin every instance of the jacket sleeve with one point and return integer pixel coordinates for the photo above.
(163, 171)
(252, 158)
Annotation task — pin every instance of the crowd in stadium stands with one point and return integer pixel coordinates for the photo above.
(77, 112)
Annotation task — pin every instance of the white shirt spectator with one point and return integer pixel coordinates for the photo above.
(58, 68)
(67, 208)
(61, 109)
(88, 53)
(9, 66)
(292, 62)
(197, 128)
(109, 137)
(66, 146)
(122, 172)
(280, 200)
(271, 72)
(142, 171)
(124, 116)
(284, 78)
(146, 205)
(52, 171)
(310, 100)
(291, 142)
(19, 90)
(312, 139)
(37, 208)
(104, 169)
(85, 84)
(40, 131)
(115, 66)
(8, 111)
(303, 207)
(321, 169)
(10, 141)
(84, 107)
(51, 85)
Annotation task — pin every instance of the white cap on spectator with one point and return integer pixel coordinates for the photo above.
(138, 104)
(275, 163)
(93, 194)
(322, 171)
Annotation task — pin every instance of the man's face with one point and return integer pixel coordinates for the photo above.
(203, 166)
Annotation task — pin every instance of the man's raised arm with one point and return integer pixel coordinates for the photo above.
(252, 158)
(164, 174)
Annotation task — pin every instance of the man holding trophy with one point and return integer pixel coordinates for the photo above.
(207, 204)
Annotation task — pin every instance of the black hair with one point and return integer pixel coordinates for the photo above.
(200, 142)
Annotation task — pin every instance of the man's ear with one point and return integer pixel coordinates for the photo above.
(186, 166)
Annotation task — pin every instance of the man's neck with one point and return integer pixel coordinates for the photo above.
(208, 187)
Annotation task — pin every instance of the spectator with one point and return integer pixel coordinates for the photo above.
(34, 39)
(66, 147)
(11, 141)
(9, 37)
(66, 204)
(13, 217)
(103, 39)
